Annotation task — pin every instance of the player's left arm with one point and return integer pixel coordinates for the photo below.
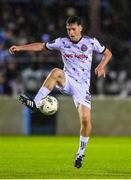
(100, 69)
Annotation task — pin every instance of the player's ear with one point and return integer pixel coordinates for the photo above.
(81, 28)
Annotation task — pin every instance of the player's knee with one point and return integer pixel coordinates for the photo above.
(56, 72)
(85, 120)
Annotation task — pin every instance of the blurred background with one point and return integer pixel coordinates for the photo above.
(27, 21)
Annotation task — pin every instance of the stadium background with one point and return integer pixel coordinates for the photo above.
(26, 150)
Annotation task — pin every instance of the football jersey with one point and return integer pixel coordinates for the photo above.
(77, 57)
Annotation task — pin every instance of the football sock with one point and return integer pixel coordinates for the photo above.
(43, 92)
(82, 145)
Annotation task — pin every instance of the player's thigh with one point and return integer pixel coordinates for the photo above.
(84, 113)
(58, 75)
(61, 81)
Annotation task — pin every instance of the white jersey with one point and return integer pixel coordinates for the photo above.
(77, 57)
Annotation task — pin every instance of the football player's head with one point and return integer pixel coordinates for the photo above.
(74, 26)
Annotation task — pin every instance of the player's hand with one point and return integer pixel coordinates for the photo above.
(14, 49)
(100, 71)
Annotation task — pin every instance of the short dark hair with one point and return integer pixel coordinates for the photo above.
(74, 19)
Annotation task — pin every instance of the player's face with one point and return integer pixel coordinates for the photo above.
(74, 31)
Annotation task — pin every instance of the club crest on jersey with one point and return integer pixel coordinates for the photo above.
(84, 47)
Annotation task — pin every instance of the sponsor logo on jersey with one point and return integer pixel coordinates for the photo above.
(67, 46)
(79, 56)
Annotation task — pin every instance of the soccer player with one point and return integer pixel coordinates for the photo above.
(76, 51)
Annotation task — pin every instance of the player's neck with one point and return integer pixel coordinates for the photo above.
(77, 40)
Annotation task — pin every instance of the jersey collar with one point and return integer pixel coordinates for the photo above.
(75, 42)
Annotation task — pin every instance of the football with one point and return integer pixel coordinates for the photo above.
(48, 105)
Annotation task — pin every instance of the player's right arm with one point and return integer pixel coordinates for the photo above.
(27, 47)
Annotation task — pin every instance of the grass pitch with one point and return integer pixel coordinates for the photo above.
(52, 157)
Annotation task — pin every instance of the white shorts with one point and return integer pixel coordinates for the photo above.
(78, 91)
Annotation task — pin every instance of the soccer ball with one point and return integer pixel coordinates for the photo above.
(48, 105)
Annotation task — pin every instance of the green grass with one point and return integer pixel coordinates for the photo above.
(52, 157)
